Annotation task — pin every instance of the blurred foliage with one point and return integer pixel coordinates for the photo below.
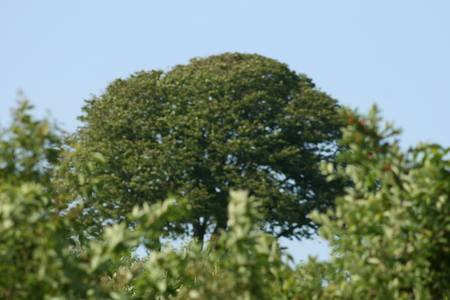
(36, 259)
(231, 121)
(42, 257)
(389, 232)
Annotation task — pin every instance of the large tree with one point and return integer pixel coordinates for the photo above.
(223, 122)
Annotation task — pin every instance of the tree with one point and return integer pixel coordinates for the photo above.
(390, 232)
(223, 122)
(40, 258)
(37, 261)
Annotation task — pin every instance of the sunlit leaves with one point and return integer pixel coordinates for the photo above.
(389, 232)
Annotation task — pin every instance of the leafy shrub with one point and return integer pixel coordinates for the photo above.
(389, 233)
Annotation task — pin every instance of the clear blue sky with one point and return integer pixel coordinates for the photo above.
(392, 53)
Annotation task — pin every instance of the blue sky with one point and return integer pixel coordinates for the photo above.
(392, 53)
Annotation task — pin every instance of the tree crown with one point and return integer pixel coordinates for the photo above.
(223, 122)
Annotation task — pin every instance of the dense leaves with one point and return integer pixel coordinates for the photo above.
(232, 121)
(41, 258)
(390, 232)
(35, 239)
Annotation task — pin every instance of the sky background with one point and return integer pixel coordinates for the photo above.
(392, 53)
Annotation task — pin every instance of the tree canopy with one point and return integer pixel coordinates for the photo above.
(197, 131)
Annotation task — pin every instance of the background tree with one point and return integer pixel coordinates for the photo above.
(219, 123)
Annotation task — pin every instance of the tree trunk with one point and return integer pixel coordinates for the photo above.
(221, 225)
(199, 228)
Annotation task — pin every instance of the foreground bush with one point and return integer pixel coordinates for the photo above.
(36, 257)
(43, 256)
(389, 233)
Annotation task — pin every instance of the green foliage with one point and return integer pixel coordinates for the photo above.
(35, 248)
(391, 231)
(41, 257)
(244, 264)
(232, 121)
